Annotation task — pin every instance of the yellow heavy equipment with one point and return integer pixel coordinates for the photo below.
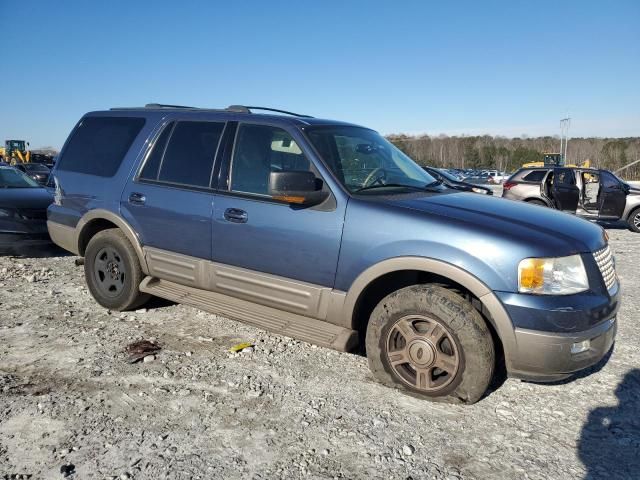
(16, 151)
(554, 160)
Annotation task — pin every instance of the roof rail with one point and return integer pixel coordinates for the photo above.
(230, 108)
(162, 105)
(247, 109)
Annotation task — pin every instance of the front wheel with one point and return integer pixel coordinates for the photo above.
(431, 343)
(634, 221)
(113, 272)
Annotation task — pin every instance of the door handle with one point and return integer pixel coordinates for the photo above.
(236, 215)
(137, 198)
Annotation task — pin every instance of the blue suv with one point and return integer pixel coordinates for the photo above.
(325, 232)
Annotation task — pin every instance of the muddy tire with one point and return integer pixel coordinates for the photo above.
(634, 220)
(431, 343)
(112, 271)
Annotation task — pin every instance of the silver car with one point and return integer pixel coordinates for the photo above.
(594, 194)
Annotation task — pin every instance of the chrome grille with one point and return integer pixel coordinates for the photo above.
(604, 259)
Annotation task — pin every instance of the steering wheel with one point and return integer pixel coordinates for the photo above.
(375, 176)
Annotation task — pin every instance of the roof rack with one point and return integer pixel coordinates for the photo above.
(230, 108)
(247, 109)
(162, 105)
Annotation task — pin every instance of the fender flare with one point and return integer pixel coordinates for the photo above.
(497, 314)
(101, 214)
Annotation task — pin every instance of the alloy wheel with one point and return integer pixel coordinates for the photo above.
(422, 353)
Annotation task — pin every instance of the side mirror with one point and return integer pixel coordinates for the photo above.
(296, 187)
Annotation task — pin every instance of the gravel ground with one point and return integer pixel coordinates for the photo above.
(71, 403)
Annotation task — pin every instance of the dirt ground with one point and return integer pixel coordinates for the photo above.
(71, 404)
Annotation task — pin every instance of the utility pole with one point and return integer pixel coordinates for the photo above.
(565, 123)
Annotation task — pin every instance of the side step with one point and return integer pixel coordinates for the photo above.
(289, 324)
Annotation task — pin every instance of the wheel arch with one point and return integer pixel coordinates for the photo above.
(536, 199)
(389, 275)
(98, 220)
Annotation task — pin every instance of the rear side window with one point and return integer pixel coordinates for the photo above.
(99, 145)
(152, 165)
(608, 180)
(566, 177)
(535, 176)
(189, 155)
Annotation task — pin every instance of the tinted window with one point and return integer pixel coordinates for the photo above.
(608, 180)
(566, 177)
(260, 150)
(99, 144)
(152, 165)
(188, 158)
(535, 176)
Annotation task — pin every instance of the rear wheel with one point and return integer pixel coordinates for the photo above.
(113, 272)
(634, 220)
(431, 343)
(537, 202)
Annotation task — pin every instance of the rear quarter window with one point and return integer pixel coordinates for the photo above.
(99, 144)
(535, 176)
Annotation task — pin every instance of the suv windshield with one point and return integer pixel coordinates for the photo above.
(362, 159)
(12, 178)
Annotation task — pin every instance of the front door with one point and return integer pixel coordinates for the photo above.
(613, 196)
(259, 234)
(564, 191)
(170, 202)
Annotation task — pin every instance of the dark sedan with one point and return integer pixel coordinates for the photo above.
(37, 171)
(451, 181)
(23, 210)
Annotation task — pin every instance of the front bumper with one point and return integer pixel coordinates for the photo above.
(547, 357)
(546, 327)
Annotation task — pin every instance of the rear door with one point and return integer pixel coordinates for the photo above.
(613, 196)
(564, 191)
(169, 202)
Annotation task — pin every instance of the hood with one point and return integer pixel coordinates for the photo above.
(25, 198)
(551, 231)
(633, 189)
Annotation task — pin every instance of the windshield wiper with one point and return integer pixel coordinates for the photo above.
(435, 183)
(398, 185)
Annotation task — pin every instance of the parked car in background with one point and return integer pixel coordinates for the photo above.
(451, 181)
(37, 171)
(326, 232)
(594, 194)
(497, 177)
(23, 210)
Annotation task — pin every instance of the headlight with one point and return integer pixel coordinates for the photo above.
(552, 276)
(478, 190)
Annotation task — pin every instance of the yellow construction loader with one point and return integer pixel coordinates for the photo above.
(15, 151)
(554, 160)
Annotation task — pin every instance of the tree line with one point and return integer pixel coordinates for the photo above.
(509, 154)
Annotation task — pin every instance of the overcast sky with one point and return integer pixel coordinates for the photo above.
(506, 68)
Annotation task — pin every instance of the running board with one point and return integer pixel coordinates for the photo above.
(289, 324)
